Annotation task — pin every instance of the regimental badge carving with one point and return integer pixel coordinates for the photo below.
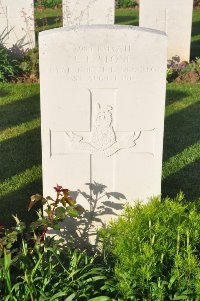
(103, 138)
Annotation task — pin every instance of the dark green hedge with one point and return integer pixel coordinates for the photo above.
(126, 3)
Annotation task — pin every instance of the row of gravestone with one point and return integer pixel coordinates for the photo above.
(171, 16)
(102, 90)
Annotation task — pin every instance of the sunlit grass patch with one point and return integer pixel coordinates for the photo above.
(18, 130)
(181, 158)
(20, 180)
(20, 149)
(10, 94)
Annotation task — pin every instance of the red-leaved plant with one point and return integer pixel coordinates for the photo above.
(55, 211)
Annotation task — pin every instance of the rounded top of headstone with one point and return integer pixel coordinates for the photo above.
(101, 27)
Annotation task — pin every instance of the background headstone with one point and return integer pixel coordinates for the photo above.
(175, 18)
(17, 25)
(87, 12)
(102, 114)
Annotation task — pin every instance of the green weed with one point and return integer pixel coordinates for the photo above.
(155, 250)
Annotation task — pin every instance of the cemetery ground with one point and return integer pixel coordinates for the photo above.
(164, 264)
(20, 133)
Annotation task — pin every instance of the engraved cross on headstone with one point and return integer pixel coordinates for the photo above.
(102, 141)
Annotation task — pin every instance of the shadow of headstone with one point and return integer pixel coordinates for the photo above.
(102, 207)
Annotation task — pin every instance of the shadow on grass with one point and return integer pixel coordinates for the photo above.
(20, 153)
(19, 111)
(195, 45)
(186, 180)
(182, 129)
(49, 21)
(16, 203)
(195, 28)
(126, 19)
(195, 49)
(4, 93)
(46, 23)
(175, 95)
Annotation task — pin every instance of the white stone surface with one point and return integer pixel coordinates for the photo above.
(17, 24)
(87, 12)
(175, 18)
(102, 112)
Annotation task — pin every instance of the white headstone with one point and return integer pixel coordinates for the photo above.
(175, 18)
(102, 112)
(87, 12)
(17, 24)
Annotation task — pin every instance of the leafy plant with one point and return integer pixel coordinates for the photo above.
(55, 211)
(30, 64)
(154, 249)
(19, 69)
(52, 273)
(126, 3)
(184, 71)
(171, 74)
(196, 2)
(8, 65)
(48, 3)
(32, 268)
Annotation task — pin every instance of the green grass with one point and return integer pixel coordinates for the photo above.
(20, 141)
(50, 18)
(195, 44)
(127, 16)
(182, 141)
(20, 148)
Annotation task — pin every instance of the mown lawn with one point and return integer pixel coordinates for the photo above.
(20, 145)
(20, 149)
(195, 45)
(181, 160)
